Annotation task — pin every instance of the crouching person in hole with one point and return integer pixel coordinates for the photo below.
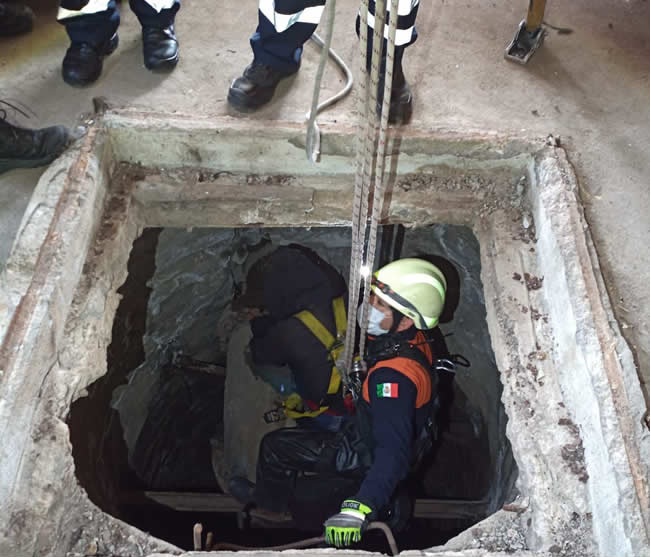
(281, 364)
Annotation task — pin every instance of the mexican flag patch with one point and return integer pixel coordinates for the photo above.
(387, 390)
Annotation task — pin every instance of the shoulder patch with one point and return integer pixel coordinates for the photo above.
(387, 390)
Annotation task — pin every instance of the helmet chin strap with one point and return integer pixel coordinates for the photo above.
(397, 317)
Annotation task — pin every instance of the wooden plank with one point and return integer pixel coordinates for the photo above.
(220, 503)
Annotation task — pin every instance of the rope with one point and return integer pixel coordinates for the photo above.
(370, 163)
(363, 154)
(309, 542)
(313, 139)
(379, 186)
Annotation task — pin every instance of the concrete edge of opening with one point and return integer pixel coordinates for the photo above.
(561, 362)
(602, 366)
(46, 300)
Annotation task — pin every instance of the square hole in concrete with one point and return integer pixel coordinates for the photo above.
(165, 377)
(569, 388)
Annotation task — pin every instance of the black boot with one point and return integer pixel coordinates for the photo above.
(24, 148)
(160, 48)
(15, 19)
(82, 64)
(255, 87)
(400, 105)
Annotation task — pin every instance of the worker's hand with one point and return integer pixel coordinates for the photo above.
(346, 526)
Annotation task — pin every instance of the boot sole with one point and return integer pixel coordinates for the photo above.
(245, 104)
(163, 65)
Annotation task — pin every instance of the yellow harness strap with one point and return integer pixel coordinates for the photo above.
(332, 344)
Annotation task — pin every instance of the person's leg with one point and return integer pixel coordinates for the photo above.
(284, 454)
(283, 28)
(159, 43)
(15, 19)
(92, 27)
(400, 108)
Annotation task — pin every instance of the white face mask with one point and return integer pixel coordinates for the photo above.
(375, 317)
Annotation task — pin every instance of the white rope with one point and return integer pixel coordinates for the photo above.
(313, 138)
(370, 165)
(363, 149)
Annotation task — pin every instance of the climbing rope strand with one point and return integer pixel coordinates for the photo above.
(370, 163)
(313, 139)
(380, 160)
(377, 158)
(360, 194)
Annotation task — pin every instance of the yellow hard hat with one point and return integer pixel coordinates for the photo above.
(414, 287)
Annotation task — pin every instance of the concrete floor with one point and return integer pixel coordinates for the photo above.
(589, 86)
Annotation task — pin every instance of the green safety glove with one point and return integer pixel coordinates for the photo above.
(346, 526)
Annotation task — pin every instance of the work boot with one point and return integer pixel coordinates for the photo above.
(160, 48)
(82, 64)
(241, 489)
(255, 87)
(24, 148)
(15, 19)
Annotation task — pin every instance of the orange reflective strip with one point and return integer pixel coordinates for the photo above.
(411, 369)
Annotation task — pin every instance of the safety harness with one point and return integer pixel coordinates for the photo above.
(293, 406)
(417, 361)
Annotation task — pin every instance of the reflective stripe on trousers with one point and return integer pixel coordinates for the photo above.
(75, 8)
(407, 10)
(282, 14)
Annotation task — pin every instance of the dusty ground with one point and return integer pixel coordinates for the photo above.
(589, 86)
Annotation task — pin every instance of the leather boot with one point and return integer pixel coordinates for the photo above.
(82, 64)
(15, 19)
(25, 148)
(255, 87)
(160, 48)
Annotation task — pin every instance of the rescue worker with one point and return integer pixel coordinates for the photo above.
(299, 304)
(304, 299)
(92, 26)
(283, 28)
(365, 462)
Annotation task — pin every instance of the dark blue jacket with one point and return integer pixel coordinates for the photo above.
(395, 416)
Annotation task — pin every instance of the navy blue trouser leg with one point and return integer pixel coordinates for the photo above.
(281, 51)
(95, 29)
(149, 17)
